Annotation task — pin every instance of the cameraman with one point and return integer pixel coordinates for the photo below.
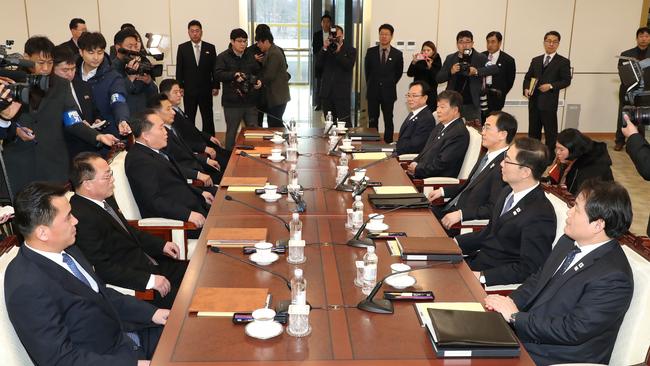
(464, 71)
(336, 60)
(139, 86)
(237, 69)
(639, 150)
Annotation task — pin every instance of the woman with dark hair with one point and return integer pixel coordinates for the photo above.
(579, 158)
(424, 67)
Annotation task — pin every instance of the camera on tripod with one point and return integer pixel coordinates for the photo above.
(144, 65)
(631, 73)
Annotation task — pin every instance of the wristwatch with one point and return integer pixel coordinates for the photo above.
(513, 318)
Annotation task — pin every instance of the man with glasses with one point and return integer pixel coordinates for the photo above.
(521, 231)
(419, 122)
(463, 71)
(546, 76)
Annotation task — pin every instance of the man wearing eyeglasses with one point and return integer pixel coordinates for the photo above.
(546, 76)
(419, 122)
(521, 231)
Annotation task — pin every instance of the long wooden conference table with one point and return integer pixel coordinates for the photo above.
(341, 334)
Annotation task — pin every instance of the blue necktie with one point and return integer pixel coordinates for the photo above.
(75, 270)
(567, 260)
(508, 205)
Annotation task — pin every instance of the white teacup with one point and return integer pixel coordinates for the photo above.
(270, 190)
(276, 153)
(359, 174)
(340, 125)
(263, 248)
(399, 267)
(264, 316)
(346, 143)
(376, 219)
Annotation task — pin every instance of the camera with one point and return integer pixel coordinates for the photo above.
(630, 72)
(144, 65)
(248, 82)
(463, 61)
(334, 41)
(19, 91)
(12, 59)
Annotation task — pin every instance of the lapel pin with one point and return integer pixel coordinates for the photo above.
(390, 59)
(491, 165)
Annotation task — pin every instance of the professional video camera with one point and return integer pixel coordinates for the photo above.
(334, 41)
(9, 68)
(244, 87)
(145, 66)
(631, 73)
(463, 60)
(13, 59)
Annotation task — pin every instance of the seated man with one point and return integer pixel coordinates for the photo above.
(475, 198)
(120, 254)
(443, 154)
(62, 312)
(192, 166)
(572, 308)
(156, 181)
(418, 124)
(520, 234)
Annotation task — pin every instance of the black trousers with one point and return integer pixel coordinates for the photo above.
(274, 115)
(340, 108)
(387, 112)
(543, 119)
(204, 102)
(173, 270)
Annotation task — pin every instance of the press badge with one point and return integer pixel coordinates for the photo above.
(117, 98)
(71, 118)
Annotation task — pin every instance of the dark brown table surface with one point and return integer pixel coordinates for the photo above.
(341, 334)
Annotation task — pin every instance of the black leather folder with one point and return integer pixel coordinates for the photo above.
(388, 201)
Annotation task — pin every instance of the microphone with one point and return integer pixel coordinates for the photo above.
(281, 242)
(297, 198)
(247, 155)
(333, 151)
(219, 251)
(367, 242)
(346, 188)
(332, 126)
(383, 306)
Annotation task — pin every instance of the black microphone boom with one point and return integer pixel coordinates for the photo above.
(341, 186)
(219, 251)
(231, 198)
(247, 155)
(383, 306)
(367, 242)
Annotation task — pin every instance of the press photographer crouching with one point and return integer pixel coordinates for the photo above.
(637, 146)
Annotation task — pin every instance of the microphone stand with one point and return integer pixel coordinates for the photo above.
(367, 242)
(220, 251)
(383, 306)
(333, 151)
(297, 198)
(341, 186)
(280, 242)
(247, 155)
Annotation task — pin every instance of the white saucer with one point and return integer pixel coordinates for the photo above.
(400, 282)
(276, 160)
(271, 330)
(273, 198)
(277, 141)
(346, 148)
(376, 229)
(354, 178)
(264, 261)
(341, 130)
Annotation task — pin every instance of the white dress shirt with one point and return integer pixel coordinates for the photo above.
(90, 74)
(584, 251)
(58, 259)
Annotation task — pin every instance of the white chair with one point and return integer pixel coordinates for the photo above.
(131, 212)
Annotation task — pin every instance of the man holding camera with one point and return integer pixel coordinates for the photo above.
(464, 71)
(638, 149)
(336, 60)
(316, 45)
(238, 70)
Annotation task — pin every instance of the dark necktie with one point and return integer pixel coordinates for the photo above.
(383, 56)
(478, 171)
(567, 261)
(509, 202)
(67, 259)
(115, 217)
(163, 155)
(408, 118)
(547, 60)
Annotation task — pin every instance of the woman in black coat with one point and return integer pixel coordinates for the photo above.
(579, 158)
(425, 66)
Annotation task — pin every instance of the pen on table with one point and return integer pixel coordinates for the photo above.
(267, 304)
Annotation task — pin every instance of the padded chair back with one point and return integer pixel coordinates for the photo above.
(633, 338)
(122, 193)
(13, 353)
(561, 210)
(472, 154)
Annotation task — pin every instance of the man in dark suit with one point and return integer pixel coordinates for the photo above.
(336, 65)
(156, 181)
(120, 254)
(62, 312)
(476, 197)
(443, 154)
(640, 52)
(77, 28)
(553, 73)
(384, 66)
(638, 149)
(498, 86)
(419, 122)
(316, 45)
(464, 71)
(572, 308)
(520, 234)
(195, 61)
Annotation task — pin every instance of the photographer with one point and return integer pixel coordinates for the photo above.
(140, 86)
(238, 70)
(275, 77)
(336, 60)
(464, 71)
(638, 149)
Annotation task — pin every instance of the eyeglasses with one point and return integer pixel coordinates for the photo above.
(411, 96)
(107, 176)
(465, 42)
(548, 41)
(507, 160)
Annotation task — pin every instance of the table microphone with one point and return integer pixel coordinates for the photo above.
(367, 242)
(219, 251)
(297, 198)
(247, 155)
(281, 242)
(383, 306)
(346, 188)
(326, 134)
(333, 151)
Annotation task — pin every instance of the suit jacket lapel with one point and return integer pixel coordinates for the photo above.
(105, 214)
(520, 206)
(485, 172)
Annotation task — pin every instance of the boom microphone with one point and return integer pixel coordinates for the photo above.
(219, 251)
(367, 242)
(247, 155)
(281, 242)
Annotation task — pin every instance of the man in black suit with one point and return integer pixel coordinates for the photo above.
(77, 28)
(572, 308)
(464, 71)
(158, 186)
(498, 86)
(62, 312)
(195, 61)
(638, 149)
(120, 254)
(443, 154)
(520, 234)
(384, 66)
(640, 52)
(476, 197)
(419, 122)
(553, 73)
(336, 66)
(316, 45)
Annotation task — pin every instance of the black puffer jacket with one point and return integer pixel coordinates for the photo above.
(228, 63)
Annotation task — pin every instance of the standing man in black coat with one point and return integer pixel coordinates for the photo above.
(552, 73)
(317, 42)
(498, 86)
(195, 60)
(77, 28)
(384, 66)
(336, 61)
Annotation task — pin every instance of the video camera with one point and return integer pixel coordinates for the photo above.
(145, 66)
(9, 64)
(12, 59)
(334, 41)
(244, 87)
(631, 73)
(463, 61)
